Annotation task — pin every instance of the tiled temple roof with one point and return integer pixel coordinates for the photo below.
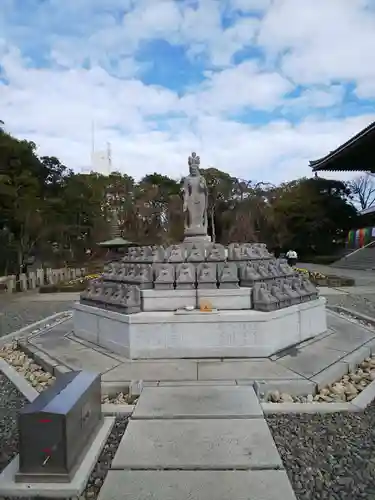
(355, 155)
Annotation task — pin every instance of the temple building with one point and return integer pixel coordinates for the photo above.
(355, 155)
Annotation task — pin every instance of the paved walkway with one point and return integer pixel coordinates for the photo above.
(362, 278)
(197, 443)
(296, 371)
(18, 310)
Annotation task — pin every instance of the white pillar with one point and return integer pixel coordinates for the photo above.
(11, 283)
(23, 282)
(32, 280)
(49, 276)
(40, 277)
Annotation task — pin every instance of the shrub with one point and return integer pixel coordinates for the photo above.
(76, 286)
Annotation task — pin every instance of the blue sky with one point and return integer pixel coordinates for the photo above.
(257, 87)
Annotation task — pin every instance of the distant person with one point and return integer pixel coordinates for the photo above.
(292, 256)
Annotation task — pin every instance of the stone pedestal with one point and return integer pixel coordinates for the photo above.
(197, 239)
(195, 334)
(167, 300)
(226, 298)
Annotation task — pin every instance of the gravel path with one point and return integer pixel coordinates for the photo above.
(10, 402)
(328, 456)
(16, 313)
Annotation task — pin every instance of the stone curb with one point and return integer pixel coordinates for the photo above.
(117, 410)
(331, 374)
(22, 331)
(42, 359)
(18, 381)
(112, 388)
(359, 403)
(30, 393)
(270, 408)
(297, 387)
(364, 317)
(366, 397)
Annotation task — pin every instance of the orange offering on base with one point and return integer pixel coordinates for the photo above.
(205, 306)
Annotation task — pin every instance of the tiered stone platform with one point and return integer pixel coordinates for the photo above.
(199, 300)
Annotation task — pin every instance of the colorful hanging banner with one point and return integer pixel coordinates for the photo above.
(358, 238)
(351, 238)
(368, 233)
(361, 238)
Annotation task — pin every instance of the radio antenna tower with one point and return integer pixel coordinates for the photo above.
(109, 157)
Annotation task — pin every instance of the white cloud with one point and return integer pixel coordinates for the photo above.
(235, 88)
(55, 108)
(315, 98)
(250, 5)
(196, 26)
(322, 41)
(153, 128)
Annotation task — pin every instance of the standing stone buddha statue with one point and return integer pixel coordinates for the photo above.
(195, 202)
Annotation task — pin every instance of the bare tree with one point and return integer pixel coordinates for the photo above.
(363, 190)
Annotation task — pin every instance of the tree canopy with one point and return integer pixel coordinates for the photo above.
(50, 211)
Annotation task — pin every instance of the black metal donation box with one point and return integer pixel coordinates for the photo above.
(56, 429)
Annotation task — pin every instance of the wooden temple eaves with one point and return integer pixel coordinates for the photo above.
(355, 155)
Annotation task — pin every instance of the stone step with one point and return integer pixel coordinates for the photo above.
(204, 444)
(197, 485)
(219, 402)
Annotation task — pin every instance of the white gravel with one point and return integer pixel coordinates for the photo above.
(344, 390)
(25, 366)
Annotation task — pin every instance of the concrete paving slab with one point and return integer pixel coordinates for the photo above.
(346, 341)
(346, 327)
(297, 387)
(57, 345)
(153, 370)
(197, 485)
(60, 330)
(311, 360)
(197, 402)
(197, 444)
(180, 383)
(88, 359)
(263, 369)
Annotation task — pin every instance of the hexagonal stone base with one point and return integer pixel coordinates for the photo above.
(195, 334)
